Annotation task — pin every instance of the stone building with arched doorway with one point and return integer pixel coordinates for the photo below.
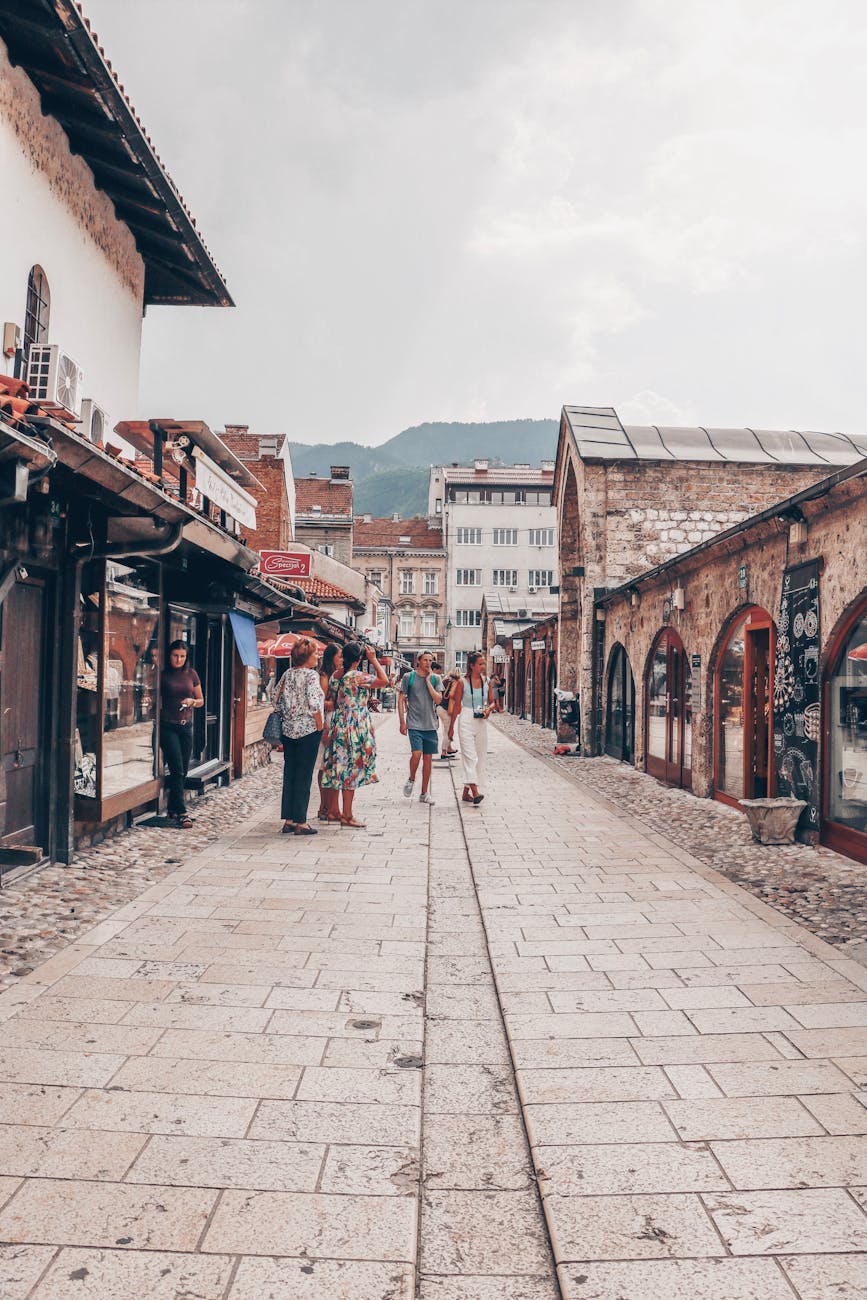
(632, 497)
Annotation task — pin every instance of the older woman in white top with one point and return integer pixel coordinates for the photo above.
(300, 701)
(471, 702)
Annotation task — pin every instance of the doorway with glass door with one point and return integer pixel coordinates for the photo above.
(23, 802)
(668, 712)
(743, 713)
(211, 647)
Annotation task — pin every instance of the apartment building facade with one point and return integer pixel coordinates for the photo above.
(499, 529)
(406, 560)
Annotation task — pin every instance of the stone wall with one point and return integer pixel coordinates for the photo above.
(836, 534)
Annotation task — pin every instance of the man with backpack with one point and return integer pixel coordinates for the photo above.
(419, 693)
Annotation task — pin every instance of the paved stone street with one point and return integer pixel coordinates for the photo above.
(820, 889)
(501, 1053)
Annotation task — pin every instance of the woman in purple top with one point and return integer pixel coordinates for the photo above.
(180, 693)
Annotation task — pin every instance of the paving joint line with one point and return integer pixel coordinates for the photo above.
(539, 1199)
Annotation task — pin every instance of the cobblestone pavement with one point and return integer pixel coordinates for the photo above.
(822, 890)
(46, 910)
(521, 1051)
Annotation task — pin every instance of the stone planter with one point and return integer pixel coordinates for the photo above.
(773, 821)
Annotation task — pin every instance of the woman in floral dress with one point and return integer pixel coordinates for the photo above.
(350, 759)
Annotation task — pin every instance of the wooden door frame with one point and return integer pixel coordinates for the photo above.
(657, 767)
(42, 827)
(757, 619)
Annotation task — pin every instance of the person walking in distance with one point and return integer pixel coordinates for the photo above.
(180, 693)
(419, 694)
(300, 701)
(350, 755)
(471, 702)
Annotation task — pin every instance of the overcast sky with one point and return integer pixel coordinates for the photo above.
(484, 209)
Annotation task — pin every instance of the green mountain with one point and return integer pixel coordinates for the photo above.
(394, 476)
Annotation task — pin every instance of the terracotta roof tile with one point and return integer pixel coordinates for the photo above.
(333, 498)
(388, 532)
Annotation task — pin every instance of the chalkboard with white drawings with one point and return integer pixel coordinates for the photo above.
(797, 692)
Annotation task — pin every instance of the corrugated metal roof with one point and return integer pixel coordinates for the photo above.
(497, 474)
(600, 435)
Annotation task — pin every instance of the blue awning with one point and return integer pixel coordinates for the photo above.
(245, 638)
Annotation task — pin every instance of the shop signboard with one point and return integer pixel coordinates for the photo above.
(517, 643)
(214, 483)
(537, 645)
(284, 564)
(695, 662)
(797, 690)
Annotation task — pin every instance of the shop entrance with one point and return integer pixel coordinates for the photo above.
(211, 650)
(620, 714)
(669, 712)
(844, 736)
(744, 710)
(22, 802)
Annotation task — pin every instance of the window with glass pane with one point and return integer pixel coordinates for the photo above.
(407, 582)
(431, 584)
(468, 577)
(541, 536)
(87, 719)
(657, 698)
(37, 308)
(375, 576)
(505, 537)
(468, 618)
(428, 624)
(461, 660)
(131, 652)
(469, 536)
(847, 740)
(540, 577)
(407, 623)
(505, 577)
(730, 723)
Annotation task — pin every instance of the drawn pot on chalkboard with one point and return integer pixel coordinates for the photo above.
(812, 721)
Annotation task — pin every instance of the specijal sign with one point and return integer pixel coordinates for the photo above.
(285, 564)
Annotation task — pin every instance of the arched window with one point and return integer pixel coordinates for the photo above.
(620, 714)
(845, 739)
(743, 709)
(37, 309)
(668, 712)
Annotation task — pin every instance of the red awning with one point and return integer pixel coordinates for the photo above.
(858, 651)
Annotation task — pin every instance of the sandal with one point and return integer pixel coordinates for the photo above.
(478, 799)
(467, 797)
(289, 828)
(304, 829)
(185, 822)
(350, 821)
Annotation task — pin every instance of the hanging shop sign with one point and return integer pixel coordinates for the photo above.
(695, 663)
(797, 692)
(537, 645)
(215, 484)
(517, 643)
(284, 564)
(742, 577)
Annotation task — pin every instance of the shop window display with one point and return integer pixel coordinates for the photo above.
(117, 678)
(731, 714)
(847, 733)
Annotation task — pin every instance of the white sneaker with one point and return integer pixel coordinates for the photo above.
(425, 798)
(408, 789)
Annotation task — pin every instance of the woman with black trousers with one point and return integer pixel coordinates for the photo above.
(180, 693)
(300, 701)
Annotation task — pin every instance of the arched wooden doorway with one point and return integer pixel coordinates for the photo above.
(743, 709)
(620, 710)
(844, 747)
(668, 712)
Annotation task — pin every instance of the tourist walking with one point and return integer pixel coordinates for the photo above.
(180, 693)
(350, 756)
(418, 696)
(471, 702)
(300, 701)
(330, 672)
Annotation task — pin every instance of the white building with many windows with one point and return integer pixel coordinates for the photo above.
(499, 533)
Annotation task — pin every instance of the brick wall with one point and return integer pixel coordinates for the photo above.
(273, 527)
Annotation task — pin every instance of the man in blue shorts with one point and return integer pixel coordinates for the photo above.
(419, 693)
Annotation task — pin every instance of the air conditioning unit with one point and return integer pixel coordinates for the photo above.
(532, 590)
(95, 423)
(54, 377)
(513, 589)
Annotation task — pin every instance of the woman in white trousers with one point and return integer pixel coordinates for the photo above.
(471, 702)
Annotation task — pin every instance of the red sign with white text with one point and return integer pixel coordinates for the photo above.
(285, 564)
